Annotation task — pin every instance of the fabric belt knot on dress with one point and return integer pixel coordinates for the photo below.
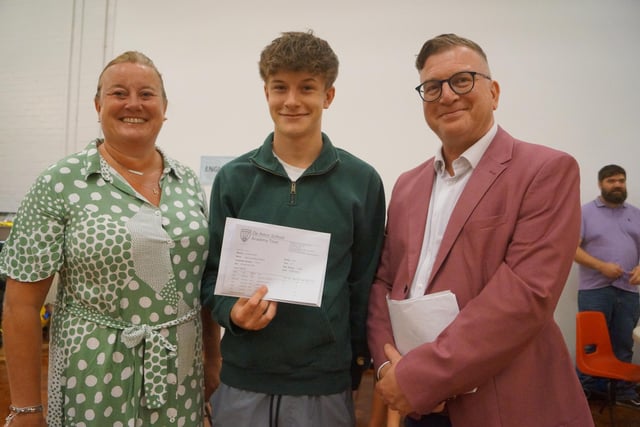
(155, 386)
(157, 349)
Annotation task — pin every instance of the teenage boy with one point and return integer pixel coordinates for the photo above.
(288, 364)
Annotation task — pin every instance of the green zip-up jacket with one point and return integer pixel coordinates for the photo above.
(304, 350)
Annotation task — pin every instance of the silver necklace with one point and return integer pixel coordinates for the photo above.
(132, 171)
(155, 190)
(135, 172)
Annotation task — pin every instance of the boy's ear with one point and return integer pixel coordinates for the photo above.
(330, 94)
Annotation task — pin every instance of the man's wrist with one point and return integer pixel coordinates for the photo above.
(379, 371)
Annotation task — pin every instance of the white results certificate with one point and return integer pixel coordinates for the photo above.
(291, 262)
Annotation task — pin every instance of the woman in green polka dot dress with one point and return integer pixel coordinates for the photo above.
(125, 227)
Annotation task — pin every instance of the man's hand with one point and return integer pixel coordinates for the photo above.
(610, 270)
(388, 387)
(634, 276)
(254, 313)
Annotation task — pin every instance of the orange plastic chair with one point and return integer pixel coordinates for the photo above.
(595, 357)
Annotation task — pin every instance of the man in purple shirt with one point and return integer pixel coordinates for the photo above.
(608, 255)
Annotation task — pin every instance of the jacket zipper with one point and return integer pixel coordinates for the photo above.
(292, 193)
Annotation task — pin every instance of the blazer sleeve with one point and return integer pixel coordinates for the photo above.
(393, 269)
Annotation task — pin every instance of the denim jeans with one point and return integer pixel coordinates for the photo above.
(621, 310)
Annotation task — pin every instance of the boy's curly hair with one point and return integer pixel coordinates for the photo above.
(299, 51)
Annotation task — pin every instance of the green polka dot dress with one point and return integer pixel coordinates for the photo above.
(126, 336)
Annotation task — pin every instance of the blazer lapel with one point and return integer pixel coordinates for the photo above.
(493, 162)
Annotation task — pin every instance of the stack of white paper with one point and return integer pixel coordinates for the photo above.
(420, 320)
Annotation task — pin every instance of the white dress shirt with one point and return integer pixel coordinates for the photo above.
(444, 196)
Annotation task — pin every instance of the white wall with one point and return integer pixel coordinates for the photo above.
(569, 72)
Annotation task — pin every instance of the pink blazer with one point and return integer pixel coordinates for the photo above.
(506, 255)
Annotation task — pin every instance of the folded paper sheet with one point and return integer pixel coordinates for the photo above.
(291, 262)
(420, 320)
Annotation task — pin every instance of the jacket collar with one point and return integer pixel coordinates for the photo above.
(494, 161)
(263, 158)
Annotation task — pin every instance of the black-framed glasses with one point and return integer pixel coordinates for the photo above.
(460, 83)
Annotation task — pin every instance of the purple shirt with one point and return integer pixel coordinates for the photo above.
(612, 235)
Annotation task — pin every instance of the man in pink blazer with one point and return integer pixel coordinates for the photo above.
(496, 221)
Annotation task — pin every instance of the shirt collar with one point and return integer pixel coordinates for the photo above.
(601, 204)
(473, 154)
(94, 163)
